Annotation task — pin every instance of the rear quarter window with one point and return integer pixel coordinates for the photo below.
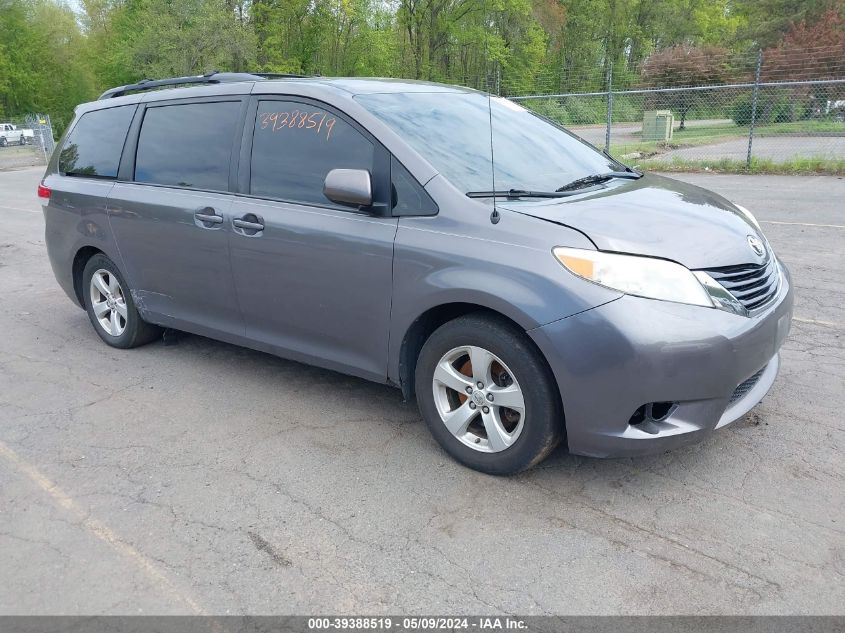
(95, 143)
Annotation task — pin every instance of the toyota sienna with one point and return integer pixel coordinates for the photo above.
(525, 287)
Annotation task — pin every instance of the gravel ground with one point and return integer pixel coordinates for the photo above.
(17, 157)
(204, 478)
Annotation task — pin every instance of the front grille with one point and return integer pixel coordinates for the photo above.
(745, 386)
(753, 285)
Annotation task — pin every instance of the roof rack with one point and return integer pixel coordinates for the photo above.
(213, 77)
(280, 75)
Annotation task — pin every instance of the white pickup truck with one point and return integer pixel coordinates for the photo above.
(11, 135)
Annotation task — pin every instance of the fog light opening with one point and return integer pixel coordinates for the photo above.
(638, 417)
(652, 412)
(660, 410)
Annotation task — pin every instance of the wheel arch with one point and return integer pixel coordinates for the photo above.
(417, 333)
(81, 258)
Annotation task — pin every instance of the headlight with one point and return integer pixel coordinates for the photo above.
(635, 275)
(649, 277)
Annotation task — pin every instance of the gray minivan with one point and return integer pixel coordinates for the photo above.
(527, 288)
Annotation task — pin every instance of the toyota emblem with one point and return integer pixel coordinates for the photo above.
(756, 245)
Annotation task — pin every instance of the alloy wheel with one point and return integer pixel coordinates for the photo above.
(108, 302)
(478, 399)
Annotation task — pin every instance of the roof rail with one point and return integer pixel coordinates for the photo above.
(213, 77)
(280, 75)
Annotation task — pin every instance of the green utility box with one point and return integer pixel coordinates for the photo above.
(657, 125)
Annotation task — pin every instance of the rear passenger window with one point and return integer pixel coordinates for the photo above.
(187, 145)
(95, 143)
(296, 144)
(409, 197)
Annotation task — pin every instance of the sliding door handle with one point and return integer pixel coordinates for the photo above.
(208, 215)
(249, 222)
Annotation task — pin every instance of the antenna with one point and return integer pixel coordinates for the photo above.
(494, 217)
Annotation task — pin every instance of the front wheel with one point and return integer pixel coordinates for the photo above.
(3, 141)
(110, 306)
(487, 395)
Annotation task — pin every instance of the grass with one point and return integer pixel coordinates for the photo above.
(793, 167)
(730, 129)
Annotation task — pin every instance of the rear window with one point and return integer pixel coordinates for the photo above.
(95, 143)
(187, 145)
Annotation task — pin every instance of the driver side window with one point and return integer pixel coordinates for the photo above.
(296, 144)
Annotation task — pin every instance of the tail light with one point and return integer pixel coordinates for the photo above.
(44, 191)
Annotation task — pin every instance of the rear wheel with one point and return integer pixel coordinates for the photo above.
(110, 307)
(487, 395)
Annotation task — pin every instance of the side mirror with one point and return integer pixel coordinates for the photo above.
(351, 187)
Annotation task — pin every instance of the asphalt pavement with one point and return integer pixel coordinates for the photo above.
(205, 478)
(777, 148)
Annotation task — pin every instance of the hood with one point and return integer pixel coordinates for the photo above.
(654, 216)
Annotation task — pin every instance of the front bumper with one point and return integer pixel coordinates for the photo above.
(611, 360)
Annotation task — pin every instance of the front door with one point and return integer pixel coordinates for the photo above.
(313, 278)
(172, 221)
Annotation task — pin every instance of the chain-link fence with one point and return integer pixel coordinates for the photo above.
(26, 141)
(676, 108)
(687, 109)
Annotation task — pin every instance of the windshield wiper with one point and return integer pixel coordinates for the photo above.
(517, 193)
(596, 179)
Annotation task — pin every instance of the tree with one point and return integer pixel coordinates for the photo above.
(42, 60)
(137, 39)
(428, 27)
(809, 52)
(681, 66)
(766, 21)
(50, 59)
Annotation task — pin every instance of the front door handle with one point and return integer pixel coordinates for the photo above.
(248, 225)
(208, 215)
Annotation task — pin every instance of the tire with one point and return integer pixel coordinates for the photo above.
(511, 367)
(23, 141)
(109, 298)
(3, 141)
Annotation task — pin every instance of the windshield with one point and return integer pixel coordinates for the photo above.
(452, 131)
